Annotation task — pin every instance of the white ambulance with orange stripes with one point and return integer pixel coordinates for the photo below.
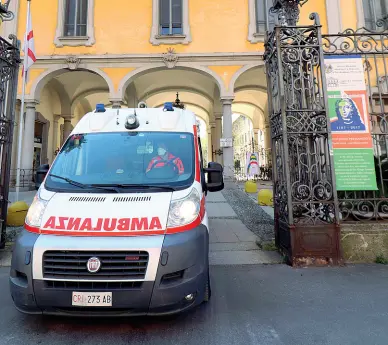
(119, 225)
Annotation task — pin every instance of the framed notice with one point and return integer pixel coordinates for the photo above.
(352, 145)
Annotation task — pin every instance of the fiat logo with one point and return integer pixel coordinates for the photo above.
(93, 265)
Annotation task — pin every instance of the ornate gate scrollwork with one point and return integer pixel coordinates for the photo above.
(9, 67)
(372, 46)
(306, 208)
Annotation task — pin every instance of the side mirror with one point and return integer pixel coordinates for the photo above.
(215, 179)
(40, 174)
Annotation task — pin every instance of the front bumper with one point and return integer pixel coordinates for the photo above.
(187, 269)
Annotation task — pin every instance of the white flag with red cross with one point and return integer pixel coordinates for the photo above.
(29, 48)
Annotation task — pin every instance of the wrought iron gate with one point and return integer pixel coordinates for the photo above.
(306, 208)
(9, 67)
(372, 46)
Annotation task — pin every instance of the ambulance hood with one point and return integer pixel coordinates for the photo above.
(106, 214)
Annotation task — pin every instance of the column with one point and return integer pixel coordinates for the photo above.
(15, 140)
(67, 126)
(227, 134)
(267, 141)
(218, 135)
(117, 103)
(256, 139)
(28, 142)
(55, 132)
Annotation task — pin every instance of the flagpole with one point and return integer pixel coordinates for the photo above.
(21, 118)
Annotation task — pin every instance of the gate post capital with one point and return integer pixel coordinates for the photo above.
(31, 103)
(227, 100)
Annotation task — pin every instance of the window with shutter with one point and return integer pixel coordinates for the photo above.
(257, 19)
(76, 17)
(75, 25)
(374, 11)
(171, 17)
(170, 22)
(260, 16)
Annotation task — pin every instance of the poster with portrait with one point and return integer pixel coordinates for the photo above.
(252, 164)
(352, 144)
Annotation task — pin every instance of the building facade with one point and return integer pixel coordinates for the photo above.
(122, 52)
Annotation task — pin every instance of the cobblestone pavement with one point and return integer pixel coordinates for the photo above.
(251, 214)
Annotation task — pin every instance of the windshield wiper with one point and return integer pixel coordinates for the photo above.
(139, 186)
(82, 185)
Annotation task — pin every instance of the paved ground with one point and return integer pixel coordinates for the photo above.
(23, 196)
(254, 304)
(231, 242)
(253, 196)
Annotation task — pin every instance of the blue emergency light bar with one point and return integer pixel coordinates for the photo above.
(100, 108)
(168, 106)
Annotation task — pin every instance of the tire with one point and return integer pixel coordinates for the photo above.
(208, 290)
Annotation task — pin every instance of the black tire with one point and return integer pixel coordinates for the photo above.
(208, 290)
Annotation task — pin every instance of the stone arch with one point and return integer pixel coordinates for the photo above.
(43, 79)
(131, 76)
(254, 105)
(180, 88)
(250, 87)
(77, 98)
(242, 71)
(189, 103)
(62, 94)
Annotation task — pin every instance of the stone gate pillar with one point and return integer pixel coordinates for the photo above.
(227, 134)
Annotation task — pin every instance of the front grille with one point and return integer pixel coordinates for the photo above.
(115, 265)
(91, 286)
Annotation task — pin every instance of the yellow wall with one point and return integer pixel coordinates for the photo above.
(349, 14)
(124, 26)
(312, 6)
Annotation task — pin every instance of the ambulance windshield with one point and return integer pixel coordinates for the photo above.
(128, 160)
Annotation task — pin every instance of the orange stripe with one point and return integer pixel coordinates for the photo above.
(197, 173)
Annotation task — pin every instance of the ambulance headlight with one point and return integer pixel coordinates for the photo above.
(184, 211)
(35, 212)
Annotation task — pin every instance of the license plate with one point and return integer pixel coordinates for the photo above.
(92, 299)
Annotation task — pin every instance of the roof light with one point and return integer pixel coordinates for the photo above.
(132, 122)
(100, 108)
(131, 119)
(168, 106)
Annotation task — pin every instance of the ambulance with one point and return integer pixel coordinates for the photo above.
(119, 226)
